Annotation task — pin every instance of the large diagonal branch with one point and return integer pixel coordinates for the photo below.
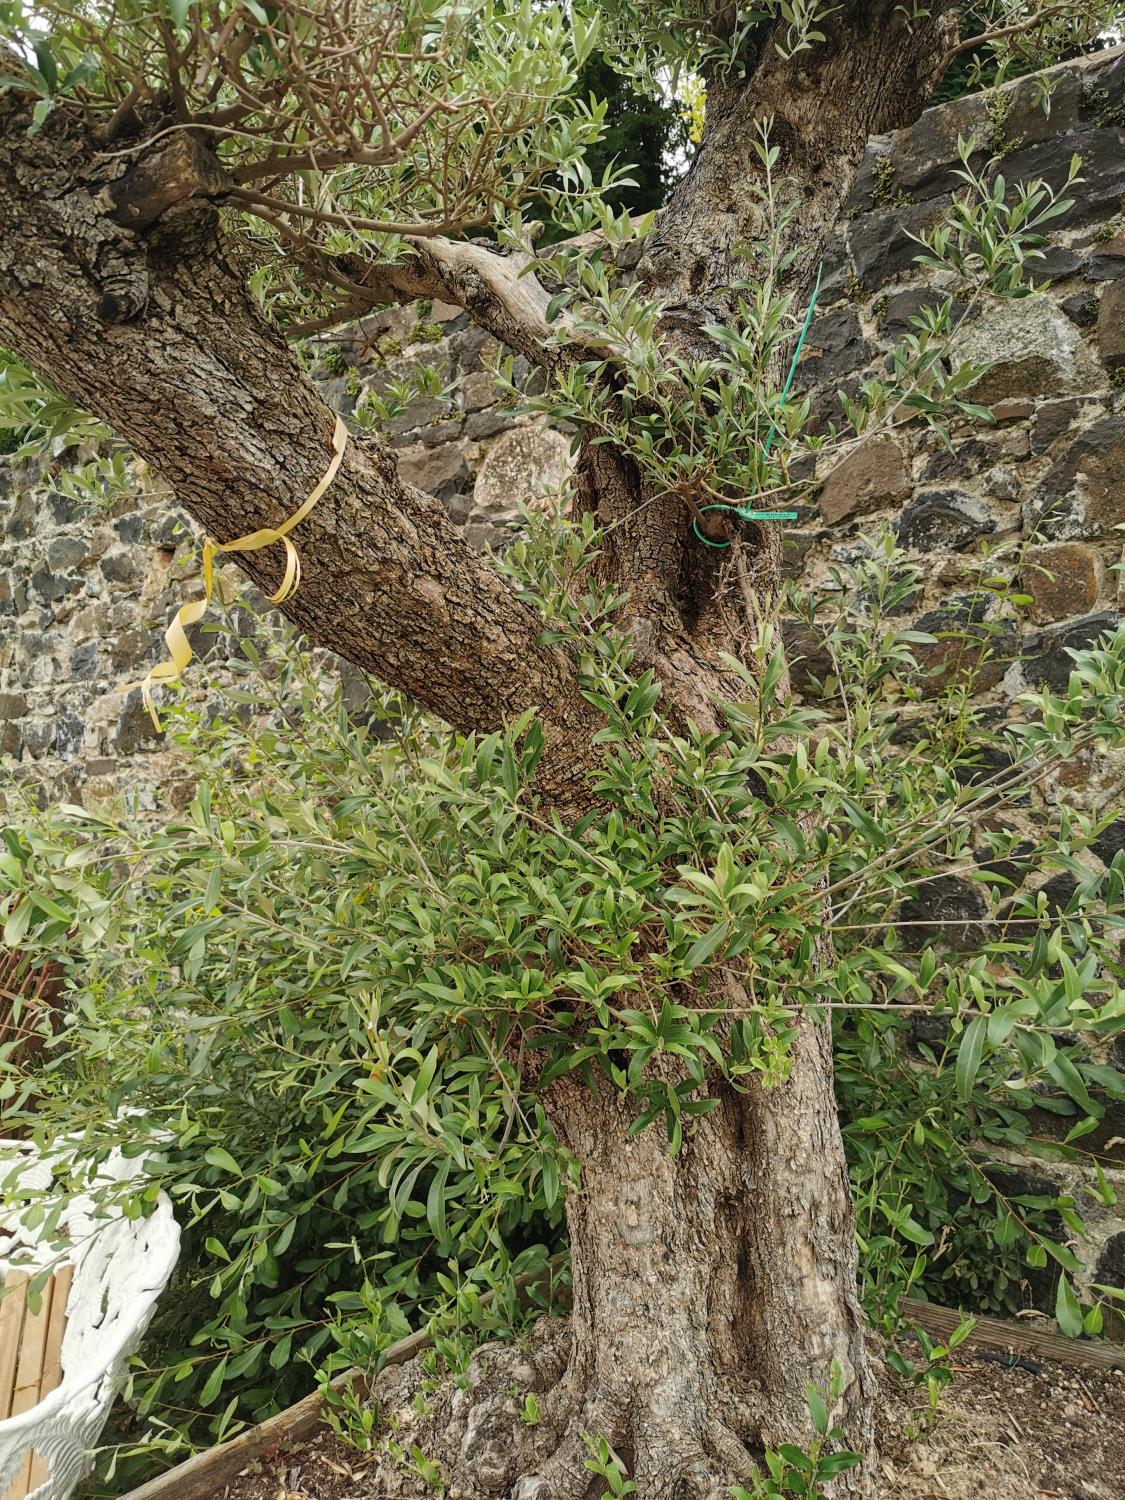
(150, 328)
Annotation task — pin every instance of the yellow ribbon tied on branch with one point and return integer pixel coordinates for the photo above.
(175, 637)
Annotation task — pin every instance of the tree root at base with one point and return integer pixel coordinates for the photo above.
(479, 1437)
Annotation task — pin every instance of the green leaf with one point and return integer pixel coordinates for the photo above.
(19, 920)
(910, 1229)
(969, 1056)
(1068, 1312)
(703, 947)
(837, 1463)
(817, 1409)
(425, 1076)
(584, 33)
(435, 1200)
(47, 64)
(1068, 1078)
(39, 115)
(214, 1382)
(218, 1156)
(82, 71)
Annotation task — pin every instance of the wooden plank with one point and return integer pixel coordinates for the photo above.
(50, 1376)
(1018, 1338)
(29, 1367)
(203, 1477)
(12, 1305)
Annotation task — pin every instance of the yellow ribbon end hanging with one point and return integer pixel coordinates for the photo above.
(175, 637)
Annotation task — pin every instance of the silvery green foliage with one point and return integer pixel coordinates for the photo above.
(344, 132)
(1002, 36)
(340, 976)
(1009, 37)
(694, 425)
(987, 240)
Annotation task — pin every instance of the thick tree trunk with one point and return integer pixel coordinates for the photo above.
(689, 606)
(710, 1287)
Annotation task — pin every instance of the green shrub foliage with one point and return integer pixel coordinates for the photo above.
(320, 990)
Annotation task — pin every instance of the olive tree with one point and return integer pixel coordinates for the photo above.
(189, 187)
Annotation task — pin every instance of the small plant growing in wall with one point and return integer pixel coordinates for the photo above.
(1098, 102)
(884, 194)
(998, 110)
(333, 361)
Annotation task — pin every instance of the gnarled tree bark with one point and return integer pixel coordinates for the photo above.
(155, 332)
(710, 1287)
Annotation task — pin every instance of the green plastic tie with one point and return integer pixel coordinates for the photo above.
(771, 515)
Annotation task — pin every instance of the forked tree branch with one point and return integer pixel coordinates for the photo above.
(499, 291)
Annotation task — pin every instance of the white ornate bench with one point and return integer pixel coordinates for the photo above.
(119, 1267)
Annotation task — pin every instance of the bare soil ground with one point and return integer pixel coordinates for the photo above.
(1038, 1431)
(1033, 1431)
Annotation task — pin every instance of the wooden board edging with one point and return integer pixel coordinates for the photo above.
(202, 1477)
(1018, 1338)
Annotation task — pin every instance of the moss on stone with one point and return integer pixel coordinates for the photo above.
(883, 192)
(854, 287)
(1100, 104)
(999, 108)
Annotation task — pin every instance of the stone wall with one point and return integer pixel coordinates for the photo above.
(1038, 497)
